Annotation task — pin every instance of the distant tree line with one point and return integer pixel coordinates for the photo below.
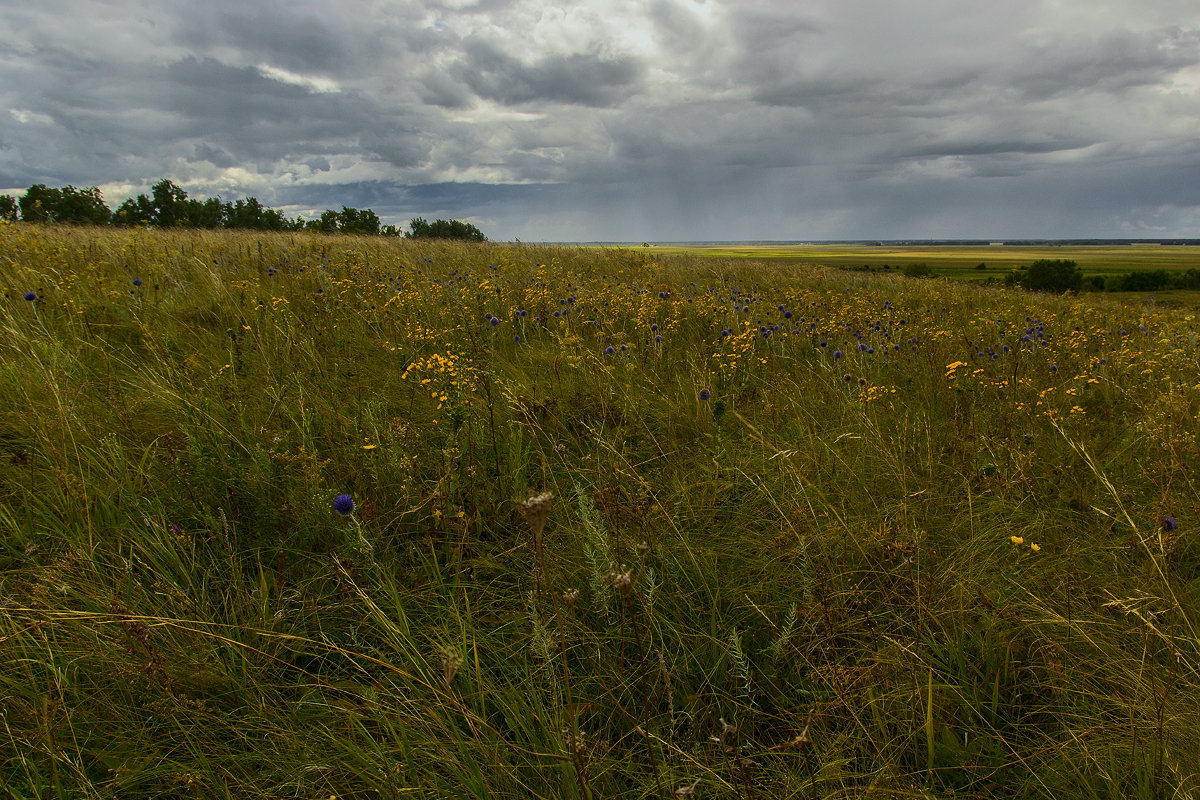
(168, 206)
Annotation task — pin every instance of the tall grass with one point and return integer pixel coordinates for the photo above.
(958, 560)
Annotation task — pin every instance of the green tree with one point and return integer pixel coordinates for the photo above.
(444, 229)
(41, 203)
(351, 220)
(326, 223)
(8, 207)
(134, 211)
(170, 208)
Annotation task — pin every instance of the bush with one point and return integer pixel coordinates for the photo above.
(921, 270)
(1052, 275)
(1144, 281)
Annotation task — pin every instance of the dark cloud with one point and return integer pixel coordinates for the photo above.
(587, 79)
(661, 119)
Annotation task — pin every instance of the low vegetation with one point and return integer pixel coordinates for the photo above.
(295, 515)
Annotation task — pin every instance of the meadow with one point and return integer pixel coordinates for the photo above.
(309, 516)
(981, 263)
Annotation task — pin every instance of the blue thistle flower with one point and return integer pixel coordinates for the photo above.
(1169, 523)
(837, 355)
(30, 296)
(705, 394)
(343, 504)
(137, 281)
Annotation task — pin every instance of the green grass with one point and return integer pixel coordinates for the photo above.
(820, 582)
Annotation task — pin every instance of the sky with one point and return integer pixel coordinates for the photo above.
(626, 120)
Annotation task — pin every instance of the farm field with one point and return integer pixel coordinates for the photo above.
(296, 515)
(960, 261)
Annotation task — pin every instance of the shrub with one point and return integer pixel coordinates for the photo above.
(921, 270)
(1144, 281)
(1052, 275)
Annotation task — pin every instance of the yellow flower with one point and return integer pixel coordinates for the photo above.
(1035, 547)
(1017, 540)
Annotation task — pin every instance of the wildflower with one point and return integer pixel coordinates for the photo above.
(30, 296)
(537, 510)
(705, 394)
(1017, 539)
(608, 351)
(137, 281)
(837, 354)
(343, 504)
(622, 581)
(1035, 547)
(1169, 523)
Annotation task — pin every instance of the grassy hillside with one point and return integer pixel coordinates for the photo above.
(796, 533)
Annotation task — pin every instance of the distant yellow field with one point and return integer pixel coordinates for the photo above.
(961, 262)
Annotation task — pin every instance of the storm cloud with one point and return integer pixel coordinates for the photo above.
(626, 119)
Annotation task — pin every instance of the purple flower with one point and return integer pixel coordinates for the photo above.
(137, 281)
(837, 354)
(1169, 523)
(30, 296)
(343, 504)
(705, 394)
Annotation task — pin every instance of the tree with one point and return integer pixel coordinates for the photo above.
(326, 223)
(351, 220)
(8, 207)
(83, 206)
(134, 211)
(1057, 275)
(41, 203)
(444, 229)
(169, 207)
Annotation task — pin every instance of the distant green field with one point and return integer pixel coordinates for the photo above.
(959, 262)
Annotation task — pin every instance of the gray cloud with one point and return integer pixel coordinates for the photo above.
(578, 78)
(626, 119)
